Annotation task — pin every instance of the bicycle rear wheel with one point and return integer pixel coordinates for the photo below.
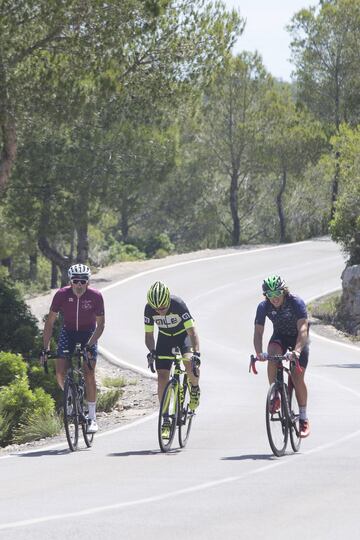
(295, 421)
(276, 421)
(71, 418)
(168, 416)
(186, 415)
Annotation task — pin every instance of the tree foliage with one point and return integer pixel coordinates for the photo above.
(345, 225)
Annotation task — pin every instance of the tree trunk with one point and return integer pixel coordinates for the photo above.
(335, 184)
(82, 224)
(234, 201)
(280, 208)
(33, 270)
(54, 276)
(7, 262)
(46, 249)
(124, 222)
(82, 243)
(7, 130)
(55, 257)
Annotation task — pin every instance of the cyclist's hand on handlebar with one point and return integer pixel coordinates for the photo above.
(195, 363)
(292, 355)
(262, 357)
(151, 357)
(43, 358)
(87, 352)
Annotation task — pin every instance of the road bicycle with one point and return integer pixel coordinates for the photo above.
(282, 410)
(175, 409)
(74, 409)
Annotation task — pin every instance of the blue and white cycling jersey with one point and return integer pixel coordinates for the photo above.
(285, 317)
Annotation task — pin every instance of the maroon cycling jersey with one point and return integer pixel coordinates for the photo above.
(78, 313)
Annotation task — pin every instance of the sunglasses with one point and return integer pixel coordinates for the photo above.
(162, 308)
(274, 294)
(77, 281)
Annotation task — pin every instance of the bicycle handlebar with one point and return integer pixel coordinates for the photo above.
(275, 358)
(47, 354)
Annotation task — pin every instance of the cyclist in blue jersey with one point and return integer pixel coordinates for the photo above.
(176, 329)
(290, 332)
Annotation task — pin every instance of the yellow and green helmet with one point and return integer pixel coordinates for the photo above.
(158, 295)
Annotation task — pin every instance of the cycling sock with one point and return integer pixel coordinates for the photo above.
(92, 407)
(303, 415)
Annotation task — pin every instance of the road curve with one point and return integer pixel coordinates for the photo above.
(226, 483)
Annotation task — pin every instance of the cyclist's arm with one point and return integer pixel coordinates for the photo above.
(195, 343)
(258, 338)
(302, 337)
(150, 341)
(48, 329)
(100, 325)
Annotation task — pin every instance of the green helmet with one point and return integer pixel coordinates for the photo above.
(158, 295)
(273, 283)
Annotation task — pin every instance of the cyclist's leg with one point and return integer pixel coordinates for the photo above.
(89, 374)
(301, 391)
(163, 362)
(186, 352)
(275, 347)
(62, 363)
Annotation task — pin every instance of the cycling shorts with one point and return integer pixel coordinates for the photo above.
(68, 340)
(165, 345)
(288, 343)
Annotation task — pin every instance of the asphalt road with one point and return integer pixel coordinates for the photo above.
(226, 483)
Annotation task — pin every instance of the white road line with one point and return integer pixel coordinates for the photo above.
(98, 435)
(204, 259)
(185, 491)
(199, 487)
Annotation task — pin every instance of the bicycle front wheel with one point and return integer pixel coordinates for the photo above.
(186, 416)
(168, 416)
(294, 421)
(88, 437)
(71, 418)
(276, 421)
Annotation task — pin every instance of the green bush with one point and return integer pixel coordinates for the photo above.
(37, 425)
(159, 246)
(106, 401)
(112, 382)
(19, 331)
(47, 381)
(12, 367)
(345, 226)
(17, 402)
(124, 252)
(326, 308)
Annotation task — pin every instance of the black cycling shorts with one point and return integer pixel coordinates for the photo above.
(165, 345)
(288, 343)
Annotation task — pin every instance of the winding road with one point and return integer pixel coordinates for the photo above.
(226, 484)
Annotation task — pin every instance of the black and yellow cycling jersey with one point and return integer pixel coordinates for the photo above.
(176, 320)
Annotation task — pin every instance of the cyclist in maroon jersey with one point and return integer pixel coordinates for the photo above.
(83, 314)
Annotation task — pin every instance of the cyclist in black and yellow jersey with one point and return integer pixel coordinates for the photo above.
(176, 329)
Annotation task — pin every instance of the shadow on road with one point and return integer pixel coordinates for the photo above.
(40, 453)
(142, 453)
(254, 457)
(349, 366)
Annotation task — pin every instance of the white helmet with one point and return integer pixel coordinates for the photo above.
(79, 271)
